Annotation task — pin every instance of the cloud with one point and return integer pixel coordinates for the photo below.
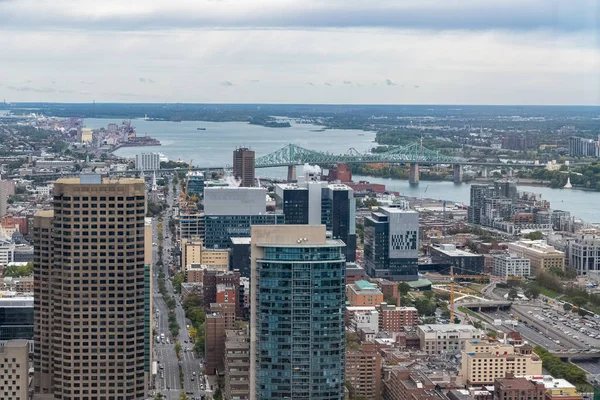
(86, 82)
(146, 80)
(416, 86)
(254, 81)
(226, 83)
(65, 91)
(30, 89)
(327, 84)
(347, 82)
(140, 15)
(310, 84)
(390, 83)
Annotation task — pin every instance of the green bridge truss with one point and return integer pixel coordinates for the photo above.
(296, 155)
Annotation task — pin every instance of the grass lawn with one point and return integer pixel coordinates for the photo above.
(471, 313)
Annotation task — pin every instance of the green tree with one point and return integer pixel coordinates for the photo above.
(567, 307)
(537, 235)
(177, 347)
(159, 396)
(183, 396)
(532, 292)
(403, 288)
(579, 301)
(512, 293)
(18, 271)
(178, 279)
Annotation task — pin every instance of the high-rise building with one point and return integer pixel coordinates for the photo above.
(192, 225)
(243, 166)
(363, 371)
(7, 188)
(195, 184)
(92, 291)
(14, 364)
(231, 211)
(147, 161)
(392, 244)
(581, 147)
(297, 334)
(478, 195)
(214, 343)
(314, 202)
(464, 262)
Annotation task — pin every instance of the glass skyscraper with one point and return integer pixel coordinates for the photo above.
(297, 314)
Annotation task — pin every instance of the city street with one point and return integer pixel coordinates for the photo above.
(167, 380)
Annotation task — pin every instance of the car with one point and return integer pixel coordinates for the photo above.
(192, 378)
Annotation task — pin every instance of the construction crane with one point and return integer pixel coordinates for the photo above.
(184, 190)
(451, 303)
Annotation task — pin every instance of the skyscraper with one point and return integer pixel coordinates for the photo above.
(316, 203)
(478, 195)
(92, 291)
(392, 244)
(243, 166)
(147, 161)
(297, 337)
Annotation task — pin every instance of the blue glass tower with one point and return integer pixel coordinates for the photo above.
(297, 334)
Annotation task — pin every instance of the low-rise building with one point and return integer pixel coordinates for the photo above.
(506, 265)
(541, 255)
(446, 339)
(521, 388)
(365, 319)
(14, 364)
(402, 384)
(556, 389)
(464, 262)
(364, 293)
(397, 319)
(363, 371)
(483, 362)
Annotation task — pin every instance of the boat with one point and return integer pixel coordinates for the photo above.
(201, 129)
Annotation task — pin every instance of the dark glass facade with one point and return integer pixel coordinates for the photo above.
(294, 205)
(16, 319)
(300, 323)
(195, 185)
(221, 228)
(340, 219)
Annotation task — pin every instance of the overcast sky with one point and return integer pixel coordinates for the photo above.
(301, 51)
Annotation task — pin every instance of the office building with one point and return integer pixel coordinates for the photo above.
(192, 225)
(392, 244)
(313, 202)
(297, 333)
(243, 166)
(231, 211)
(506, 265)
(237, 365)
(193, 252)
(364, 293)
(397, 319)
(211, 281)
(560, 220)
(584, 254)
(239, 256)
(446, 339)
(541, 255)
(292, 200)
(464, 262)
(483, 362)
(7, 251)
(363, 371)
(581, 147)
(556, 389)
(214, 343)
(14, 364)
(16, 318)
(195, 184)
(92, 244)
(147, 161)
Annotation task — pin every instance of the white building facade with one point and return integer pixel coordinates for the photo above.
(511, 265)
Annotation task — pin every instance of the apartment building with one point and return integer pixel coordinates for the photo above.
(397, 319)
(14, 364)
(363, 371)
(237, 365)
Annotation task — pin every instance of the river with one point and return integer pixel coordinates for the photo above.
(214, 146)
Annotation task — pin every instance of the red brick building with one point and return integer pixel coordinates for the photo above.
(363, 371)
(397, 319)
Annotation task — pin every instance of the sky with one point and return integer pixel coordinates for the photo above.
(301, 51)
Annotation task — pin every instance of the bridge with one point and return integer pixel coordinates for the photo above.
(413, 154)
(293, 155)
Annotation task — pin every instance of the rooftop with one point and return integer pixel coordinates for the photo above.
(397, 210)
(92, 179)
(240, 240)
(447, 328)
(419, 283)
(452, 251)
(550, 382)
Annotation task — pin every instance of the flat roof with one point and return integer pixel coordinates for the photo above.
(419, 283)
(456, 252)
(397, 210)
(105, 181)
(45, 213)
(447, 328)
(17, 302)
(550, 382)
(240, 240)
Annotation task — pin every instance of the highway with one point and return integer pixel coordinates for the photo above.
(168, 380)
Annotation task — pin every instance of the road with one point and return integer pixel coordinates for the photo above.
(168, 381)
